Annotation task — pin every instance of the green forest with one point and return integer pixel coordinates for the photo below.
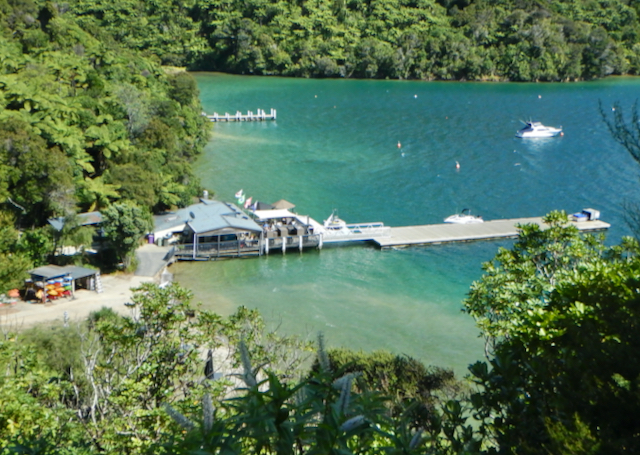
(99, 112)
(85, 124)
(521, 40)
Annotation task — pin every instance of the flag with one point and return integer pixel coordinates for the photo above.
(241, 199)
(254, 207)
(248, 203)
(239, 194)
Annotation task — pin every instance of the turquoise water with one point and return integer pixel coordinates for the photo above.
(334, 146)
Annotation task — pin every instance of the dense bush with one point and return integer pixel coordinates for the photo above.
(84, 122)
(417, 39)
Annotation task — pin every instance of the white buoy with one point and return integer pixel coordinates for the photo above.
(457, 166)
(399, 144)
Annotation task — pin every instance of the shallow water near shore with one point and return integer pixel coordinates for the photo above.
(334, 145)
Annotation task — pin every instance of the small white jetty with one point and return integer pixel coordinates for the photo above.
(259, 116)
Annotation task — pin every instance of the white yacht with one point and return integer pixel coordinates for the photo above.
(537, 129)
(334, 225)
(464, 217)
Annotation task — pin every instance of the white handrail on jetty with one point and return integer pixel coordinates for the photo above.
(356, 232)
(239, 117)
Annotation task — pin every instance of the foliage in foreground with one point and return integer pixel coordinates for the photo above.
(560, 311)
(121, 384)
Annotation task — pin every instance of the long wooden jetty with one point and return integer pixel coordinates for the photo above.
(399, 237)
(260, 115)
(279, 230)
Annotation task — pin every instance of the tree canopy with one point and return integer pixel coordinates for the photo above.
(560, 310)
(548, 40)
(85, 122)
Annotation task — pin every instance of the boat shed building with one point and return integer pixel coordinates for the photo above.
(74, 276)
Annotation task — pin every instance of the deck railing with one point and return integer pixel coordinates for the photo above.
(239, 248)
(358, 232)
(291, 242)
(210, 250)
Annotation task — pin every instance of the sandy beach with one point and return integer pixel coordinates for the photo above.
(116, 292)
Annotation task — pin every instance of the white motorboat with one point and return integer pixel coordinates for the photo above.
(537, 129)
(464, 217)
(335, 225)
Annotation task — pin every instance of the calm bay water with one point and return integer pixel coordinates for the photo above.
(334, 146)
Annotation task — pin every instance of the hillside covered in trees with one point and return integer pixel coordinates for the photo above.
(85, 123)
(522, 40)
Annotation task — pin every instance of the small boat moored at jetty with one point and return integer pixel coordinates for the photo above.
(464, 217)
(537, 129)
(335, 226)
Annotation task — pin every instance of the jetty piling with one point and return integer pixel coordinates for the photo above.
(260, 115)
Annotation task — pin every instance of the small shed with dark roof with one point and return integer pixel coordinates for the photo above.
(83, 219)
(50, 272)
(79, 277)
